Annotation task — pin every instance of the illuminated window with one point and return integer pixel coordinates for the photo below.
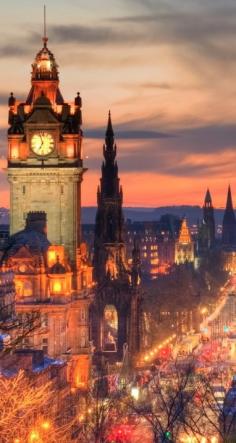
(15, 152)
(51, 257)
(57, 286)
(110, 328)
(70, 151)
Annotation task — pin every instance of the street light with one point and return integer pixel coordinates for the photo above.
(135, 393)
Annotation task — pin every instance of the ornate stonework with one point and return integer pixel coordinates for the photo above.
(52, 272)
(45, 165)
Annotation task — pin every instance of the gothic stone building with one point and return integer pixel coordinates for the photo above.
(116, 309)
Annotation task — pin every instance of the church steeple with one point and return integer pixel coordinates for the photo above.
(207, 229)
(109, 244)
(229, 202)
(208, 200)
(110, 182)
(229, 222)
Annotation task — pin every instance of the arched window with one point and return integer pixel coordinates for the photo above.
(110, 328)
(23, 288)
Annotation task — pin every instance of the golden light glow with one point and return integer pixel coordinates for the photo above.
(152, 353)
(34, 436)
(70, 151)
(51, 257)
(14, 152)
(57, 286)
(184, 235)
(45, 425)
(55, 252)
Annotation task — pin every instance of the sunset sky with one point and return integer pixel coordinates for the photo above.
(165, 68)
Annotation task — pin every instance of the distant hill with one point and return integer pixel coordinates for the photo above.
(193, 213)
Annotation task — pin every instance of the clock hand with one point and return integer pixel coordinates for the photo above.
(41, 146)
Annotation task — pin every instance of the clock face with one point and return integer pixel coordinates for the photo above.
(42, 143)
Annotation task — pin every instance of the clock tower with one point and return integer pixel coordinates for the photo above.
(45, 165)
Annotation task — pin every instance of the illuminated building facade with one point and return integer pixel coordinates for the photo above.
(156, 242)
(43, 284)
(45, 165)
(184, 246)
(52, 271)
(116, 309)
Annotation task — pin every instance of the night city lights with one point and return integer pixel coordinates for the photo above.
(117, 221)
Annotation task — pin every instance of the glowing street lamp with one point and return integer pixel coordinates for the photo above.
(135, 392)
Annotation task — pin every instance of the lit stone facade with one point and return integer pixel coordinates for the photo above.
(43, 285)
(44, 156)
(53, 276)
(184, 246)
(56, 191)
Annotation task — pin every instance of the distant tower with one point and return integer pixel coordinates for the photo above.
(184, 246)
(109, 249)
(229, 223)
(207, 229)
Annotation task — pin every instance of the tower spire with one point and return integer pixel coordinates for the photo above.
(229, 203)
(109, 137)
(208, 197)
(109, 131)
(229, 222)
(45, 38)
(109, 243)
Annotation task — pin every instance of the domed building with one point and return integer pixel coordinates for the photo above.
(44, 285)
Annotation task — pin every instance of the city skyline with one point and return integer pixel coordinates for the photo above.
(173, 108)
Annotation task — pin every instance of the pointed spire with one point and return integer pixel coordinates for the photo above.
(208, 197)
(229, 203)
(229, 222)
(109, 138)
(109, 149)
(109, 131)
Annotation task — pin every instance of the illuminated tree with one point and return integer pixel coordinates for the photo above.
(26, 412)
(166, 405)
(103, 413)
(216, 408)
